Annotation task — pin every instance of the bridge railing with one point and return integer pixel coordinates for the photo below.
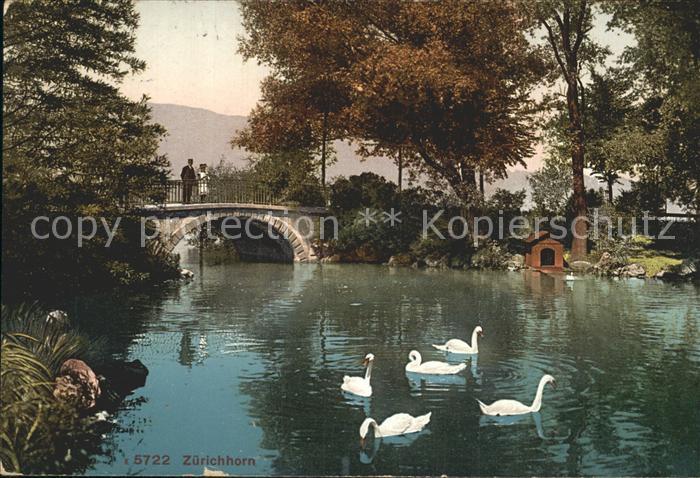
(213, 191)
(219, 191)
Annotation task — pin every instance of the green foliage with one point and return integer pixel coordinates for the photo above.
(73, 145)
(36, 430)
(367, 190)
(447, 83)
(607, 107)
(665, 66)
(506, 201)
(290, 176)
(351, 198)
(594, 200)
(654, 262)
(618, 250)
(641, 197)
(551, 187)
(226, 171)
(459, 251)
(490, 255)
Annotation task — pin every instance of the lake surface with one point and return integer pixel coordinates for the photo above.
(246, 362)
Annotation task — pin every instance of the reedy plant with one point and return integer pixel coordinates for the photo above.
(36, 430)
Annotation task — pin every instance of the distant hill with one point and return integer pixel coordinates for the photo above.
(205, 136)
(197, 133)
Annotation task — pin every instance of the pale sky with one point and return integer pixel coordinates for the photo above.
(190, 52)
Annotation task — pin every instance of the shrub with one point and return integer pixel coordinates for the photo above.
(350, 198)
(614, 253)
(490, 255)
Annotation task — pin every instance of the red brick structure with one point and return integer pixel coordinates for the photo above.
(544, 253)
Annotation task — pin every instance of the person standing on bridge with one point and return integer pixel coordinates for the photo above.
(203, 182)
(189, 177)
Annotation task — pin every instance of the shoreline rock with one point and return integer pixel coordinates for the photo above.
(686, 270)
(607, 265)
(77, 383)
(632, 270)
(400, 260)
(118, 380)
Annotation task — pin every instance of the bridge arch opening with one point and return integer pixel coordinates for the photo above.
(255, 238)
(261, 242)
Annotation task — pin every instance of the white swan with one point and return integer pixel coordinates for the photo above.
(432, 367)
(457, 346)
(360, 385)
(399, 424)
(513, 407)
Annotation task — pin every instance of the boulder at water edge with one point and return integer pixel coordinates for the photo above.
(684, 271)
(633, 270)
(332, 259)
(400, 260)
(119, 379)
(125, 377)
(516, 262)
(77, 384)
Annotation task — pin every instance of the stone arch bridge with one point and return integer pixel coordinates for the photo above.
(282, 233)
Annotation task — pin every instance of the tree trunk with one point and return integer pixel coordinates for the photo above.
(400, 164)
(610, 191)
(324, 139)
(481, 184)
(465, 188)
(579, 244)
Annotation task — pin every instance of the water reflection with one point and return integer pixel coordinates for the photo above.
(419, 381)
(249, 358)
(356, 401)
(526, 419)
(373, 446)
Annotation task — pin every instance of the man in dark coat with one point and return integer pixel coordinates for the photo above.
(189, 177)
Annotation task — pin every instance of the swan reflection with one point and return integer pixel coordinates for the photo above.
(357, 401)
(490, 420)
(419, 381)
(369, 452)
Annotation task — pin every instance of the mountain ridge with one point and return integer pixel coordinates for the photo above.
(205, 136)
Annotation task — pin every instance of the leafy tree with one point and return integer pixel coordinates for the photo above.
(641, 197)
(226, 171)
(446, 83)
(567, 24)
(551, 187)
(302, 98)
(506, 201)
(665, 67)
(608, 108)
(288, 177)
(72, 144)
(368, 196)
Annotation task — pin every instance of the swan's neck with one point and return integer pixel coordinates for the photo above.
(537, 402)
(368, 373)
(475, 345)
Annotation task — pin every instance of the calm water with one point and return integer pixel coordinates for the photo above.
(246, 361)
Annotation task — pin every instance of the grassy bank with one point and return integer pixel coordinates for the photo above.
(656, 261)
